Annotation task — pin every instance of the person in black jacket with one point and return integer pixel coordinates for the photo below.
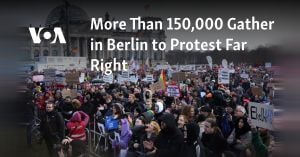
(212, 139)
(169, 141)
(132, 104)
(190, 131)
(52, 129)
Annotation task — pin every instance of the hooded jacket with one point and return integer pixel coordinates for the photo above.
(169, 142)
(77, 124)
(125, 136)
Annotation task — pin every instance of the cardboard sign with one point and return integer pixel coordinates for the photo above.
(108, 78)
(257, 91)
(66, 93)
(173, 91)
(191, 76)
(261, 115)
(177, 77)
(49, 75)
(156, 86)
(73, 93)
(72, 78)
(223, 76)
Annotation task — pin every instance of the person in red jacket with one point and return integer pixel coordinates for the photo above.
(77, 124)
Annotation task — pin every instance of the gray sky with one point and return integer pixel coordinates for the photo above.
(285, 15)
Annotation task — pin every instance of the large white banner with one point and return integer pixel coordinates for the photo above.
(261, 115)
(191, 67)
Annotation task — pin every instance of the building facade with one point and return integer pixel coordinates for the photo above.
(75, 24)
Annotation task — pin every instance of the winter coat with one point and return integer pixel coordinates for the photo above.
(53, 126)
(125, 136)
(214, 144)
(77, 124)
(261, 150)
(190, 134)
(169, 142)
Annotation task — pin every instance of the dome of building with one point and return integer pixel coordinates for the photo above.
(75, 14)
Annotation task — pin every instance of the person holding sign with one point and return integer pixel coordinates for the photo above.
(262, 141)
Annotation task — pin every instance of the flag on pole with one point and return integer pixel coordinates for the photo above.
(163, 79)
(147, 65)
(132, 65)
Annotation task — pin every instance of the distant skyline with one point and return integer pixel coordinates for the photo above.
(285, 15)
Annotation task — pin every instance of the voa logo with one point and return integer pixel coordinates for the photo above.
(47, 34)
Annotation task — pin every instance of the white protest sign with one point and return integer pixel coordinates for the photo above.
(173, 91)
(231, 71)
(224, 63)
(81, 78)
(164, 67)
(268, 65)
(188, 67)
(38, 78)
(223, 76)
(261, 115)
(133, 79)
(125, 75)
(149, 78)
(244, 75)
(108, 78)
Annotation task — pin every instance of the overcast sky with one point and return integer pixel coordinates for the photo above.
(285, 15)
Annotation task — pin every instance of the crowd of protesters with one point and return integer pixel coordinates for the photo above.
(207, 119)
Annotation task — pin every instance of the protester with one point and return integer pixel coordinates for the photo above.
(240, 138)
(52, 129)
(169, 142)
(206, 112)
(77, 125)
(212, 139)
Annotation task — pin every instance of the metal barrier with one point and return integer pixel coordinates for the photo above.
(95, 136)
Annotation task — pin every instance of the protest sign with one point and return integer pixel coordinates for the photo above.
(72, 78)
(179, 76)
(224, 63)
(257, 91)
(125, 75)
(261, 115)
(108, 78)
(49, 75)
(156, 86)
(133, 79)
(223, 76)
(244, 75)
(38, 78)
(149, 78)
(187, 67)
(82, 77)
(268, 65)
(173, 91)
(66, 93)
